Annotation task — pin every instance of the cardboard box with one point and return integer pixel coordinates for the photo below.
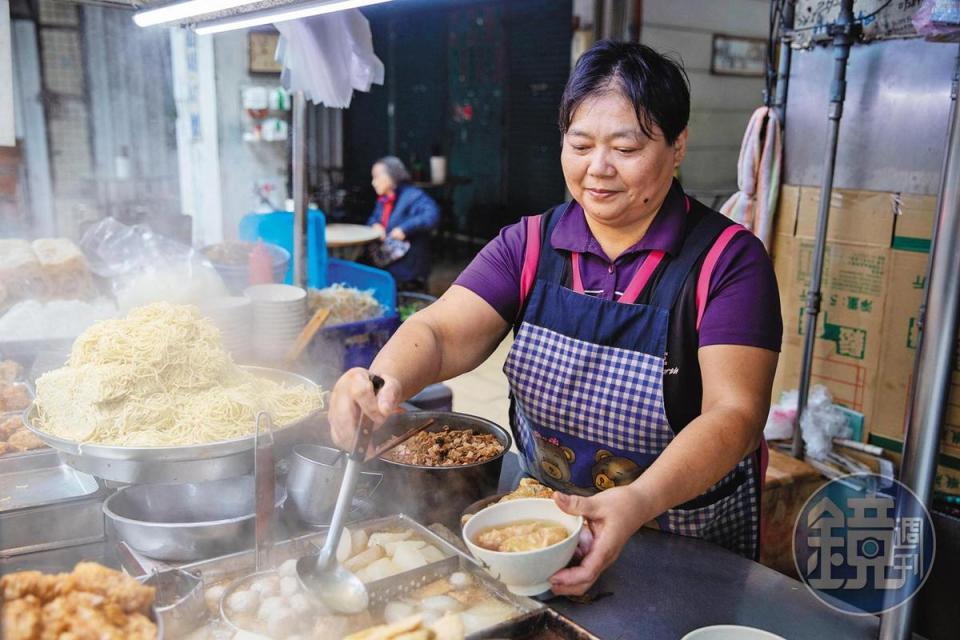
(874, 276)
(853, 289)
(856, 217)
(947, 479)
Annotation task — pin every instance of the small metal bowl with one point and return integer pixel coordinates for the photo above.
(182, 522)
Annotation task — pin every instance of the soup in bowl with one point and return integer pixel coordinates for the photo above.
(523, 542)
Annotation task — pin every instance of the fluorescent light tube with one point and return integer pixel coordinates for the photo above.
(188, 9)
(282, 14)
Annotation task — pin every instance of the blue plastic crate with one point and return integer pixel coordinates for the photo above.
(277, 228)
(362, 277)
(336, 349)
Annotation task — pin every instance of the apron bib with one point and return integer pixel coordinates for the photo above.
(586, 381)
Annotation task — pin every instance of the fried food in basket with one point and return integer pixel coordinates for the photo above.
(9, 426)
(22, 619)
(90, 602)
(13, 397)
(10, 370)
(24, 440)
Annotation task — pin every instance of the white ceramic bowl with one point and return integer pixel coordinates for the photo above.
(730, 632)
(275, 293)
(526, 573)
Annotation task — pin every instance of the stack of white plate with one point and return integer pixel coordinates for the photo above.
(279, 314)
(233, 315)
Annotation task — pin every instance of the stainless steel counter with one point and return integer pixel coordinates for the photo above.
(662, 586)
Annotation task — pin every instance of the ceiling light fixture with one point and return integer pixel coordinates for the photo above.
(280, 14)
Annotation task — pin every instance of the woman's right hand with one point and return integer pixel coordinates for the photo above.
(352, 397)
(381, 232)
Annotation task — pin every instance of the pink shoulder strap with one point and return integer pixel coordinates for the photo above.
(531, 257)
(709, 264)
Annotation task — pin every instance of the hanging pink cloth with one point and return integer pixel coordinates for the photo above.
(758, 176)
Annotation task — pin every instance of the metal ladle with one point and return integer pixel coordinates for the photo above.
(321, 574)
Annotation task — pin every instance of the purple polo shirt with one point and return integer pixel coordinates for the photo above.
(743, 305)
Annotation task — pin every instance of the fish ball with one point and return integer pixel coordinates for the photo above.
(243, 601)
(266, 587)
(300, 603)
(213, 595)
(396, 611)
(289, 586)
(270, 606)
(288, 568)
(459, 580)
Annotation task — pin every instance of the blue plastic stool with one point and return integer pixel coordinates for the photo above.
(277, 228)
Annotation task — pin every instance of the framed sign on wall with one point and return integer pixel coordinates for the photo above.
(262, 46)
(738, 56)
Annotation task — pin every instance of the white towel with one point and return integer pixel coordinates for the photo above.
(328, 56)
(758, 176)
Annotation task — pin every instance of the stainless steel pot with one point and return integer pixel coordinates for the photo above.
(179, 522)
(314, 480)
(438, 494)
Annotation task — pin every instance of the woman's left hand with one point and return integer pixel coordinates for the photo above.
(613, 516)
(398, 234)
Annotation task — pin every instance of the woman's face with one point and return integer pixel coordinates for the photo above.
(382, 183)
(617, 174)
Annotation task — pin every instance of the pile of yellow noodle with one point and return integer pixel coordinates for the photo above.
(160, 377)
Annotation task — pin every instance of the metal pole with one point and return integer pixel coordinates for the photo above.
(299, 168)
(786, 55)
(844, 32)
(932, 366)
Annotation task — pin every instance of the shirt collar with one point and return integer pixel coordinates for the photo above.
(664, 234)
(391, 198)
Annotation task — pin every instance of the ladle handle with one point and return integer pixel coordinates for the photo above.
(364, 433)
(264, 481)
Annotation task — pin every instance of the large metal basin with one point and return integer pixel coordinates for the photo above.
(192, 463)
(181, 522)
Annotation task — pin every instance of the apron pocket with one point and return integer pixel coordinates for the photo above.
(702, 521)
(716, 494)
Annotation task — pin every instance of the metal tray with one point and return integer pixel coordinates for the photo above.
(195, 463)
(544, 624)
(529, 612)
(49, 505)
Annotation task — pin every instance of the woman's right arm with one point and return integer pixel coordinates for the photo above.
(450, 337)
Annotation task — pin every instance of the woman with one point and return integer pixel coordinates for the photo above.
(647, 328)
(404, 217)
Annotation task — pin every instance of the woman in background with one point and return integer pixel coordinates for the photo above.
(404, 217)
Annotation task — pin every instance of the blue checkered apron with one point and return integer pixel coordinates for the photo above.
(587, 410)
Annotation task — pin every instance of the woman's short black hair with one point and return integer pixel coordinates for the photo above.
(656, 85)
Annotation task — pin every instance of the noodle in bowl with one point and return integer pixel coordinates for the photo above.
(160, 378)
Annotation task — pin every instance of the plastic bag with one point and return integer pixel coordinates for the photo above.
(938, 19)
(821, 423)
(145, 267)
(781, 417)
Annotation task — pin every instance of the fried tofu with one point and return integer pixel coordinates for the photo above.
(91, 603)
(24, 440)
(21, 619)
(117, 587)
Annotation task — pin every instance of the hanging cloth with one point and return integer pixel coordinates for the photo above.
(328, 57)
(758, 176)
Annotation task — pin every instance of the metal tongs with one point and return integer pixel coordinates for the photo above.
(321, 574)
